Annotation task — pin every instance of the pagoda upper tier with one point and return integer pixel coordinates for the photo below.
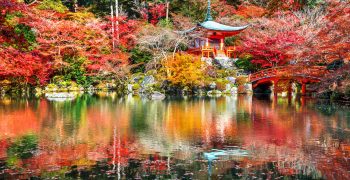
(215, 29)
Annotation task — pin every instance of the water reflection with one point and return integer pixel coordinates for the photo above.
(103, 136)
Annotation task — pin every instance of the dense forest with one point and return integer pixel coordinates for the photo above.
(99, 42)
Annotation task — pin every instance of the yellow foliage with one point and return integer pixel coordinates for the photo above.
(184, 70)
(241, 80)
(81, 16)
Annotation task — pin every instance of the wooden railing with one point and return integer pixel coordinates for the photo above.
(206, 51)
(230, 50)
(312, 72)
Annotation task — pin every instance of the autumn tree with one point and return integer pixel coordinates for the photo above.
(270, 42)
(329, 36)
(161, 42)
(184, 70)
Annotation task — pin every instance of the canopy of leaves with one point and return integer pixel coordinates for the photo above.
(184, 70)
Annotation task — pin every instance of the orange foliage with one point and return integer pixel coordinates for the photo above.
(184, 70)
(250, 11)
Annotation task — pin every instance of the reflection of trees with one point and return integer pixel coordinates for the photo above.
(153, 137)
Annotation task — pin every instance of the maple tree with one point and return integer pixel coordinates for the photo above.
(272, 41)
(184, 70)
(329, 38)
(156, 12)
(42, 39)
(24, 67)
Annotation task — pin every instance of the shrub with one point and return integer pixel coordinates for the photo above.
(347, 91)
(81, 17)
(231, 41)
(165, 23)
(337, 95)
(55, 5)
(184, 70)
(140, 58)
(221, 84)
(12, 19)
(244, 62)
(335, 65)
(24, 32)
(76, 71)
(241, 81)
(136, 87)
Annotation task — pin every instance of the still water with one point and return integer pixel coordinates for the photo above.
(104, 136)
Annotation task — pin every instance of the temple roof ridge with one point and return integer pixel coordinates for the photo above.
(210, 24)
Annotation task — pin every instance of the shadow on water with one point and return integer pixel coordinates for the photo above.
(104, 136)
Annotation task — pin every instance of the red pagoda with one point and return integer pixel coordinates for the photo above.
(211, 42)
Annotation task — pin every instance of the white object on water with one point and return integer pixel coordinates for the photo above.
(60, 96)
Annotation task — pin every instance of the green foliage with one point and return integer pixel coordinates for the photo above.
(27, 33)
(223, 73)
(337, 95)
(326, 109)
(245, 63)
(313, 3)
(11, 19)
(335, 65)
(102, 7)
(55, 5)
(22, 148)
(76, 71)
(136, 87)
(231, 41)
(165, 23)
(347, 91)
(140, 58)
(195, 10)
(221, 83)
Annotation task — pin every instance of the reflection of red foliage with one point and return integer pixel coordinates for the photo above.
(19, 122)
(4, 144)
(120, 153)
(156, 164)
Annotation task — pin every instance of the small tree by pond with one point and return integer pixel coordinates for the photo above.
(184, 70)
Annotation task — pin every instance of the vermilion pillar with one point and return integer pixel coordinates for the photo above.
(221, 44)
(290, 92)
(289, 89)
(275, 83)
(303, 89)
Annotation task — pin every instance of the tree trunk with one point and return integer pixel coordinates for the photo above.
(117, 16)
(167, 11)
(112, 18)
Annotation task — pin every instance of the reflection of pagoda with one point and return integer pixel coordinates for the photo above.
(213, 34)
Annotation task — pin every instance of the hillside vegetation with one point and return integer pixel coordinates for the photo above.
(65, 42)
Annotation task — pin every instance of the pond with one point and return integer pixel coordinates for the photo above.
(104, 136)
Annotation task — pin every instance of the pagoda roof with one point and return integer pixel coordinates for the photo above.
(215, 26)
(211, 25)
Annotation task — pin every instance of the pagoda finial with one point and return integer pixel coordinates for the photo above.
(209, 17)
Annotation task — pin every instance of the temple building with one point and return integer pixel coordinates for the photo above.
(211, 42)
